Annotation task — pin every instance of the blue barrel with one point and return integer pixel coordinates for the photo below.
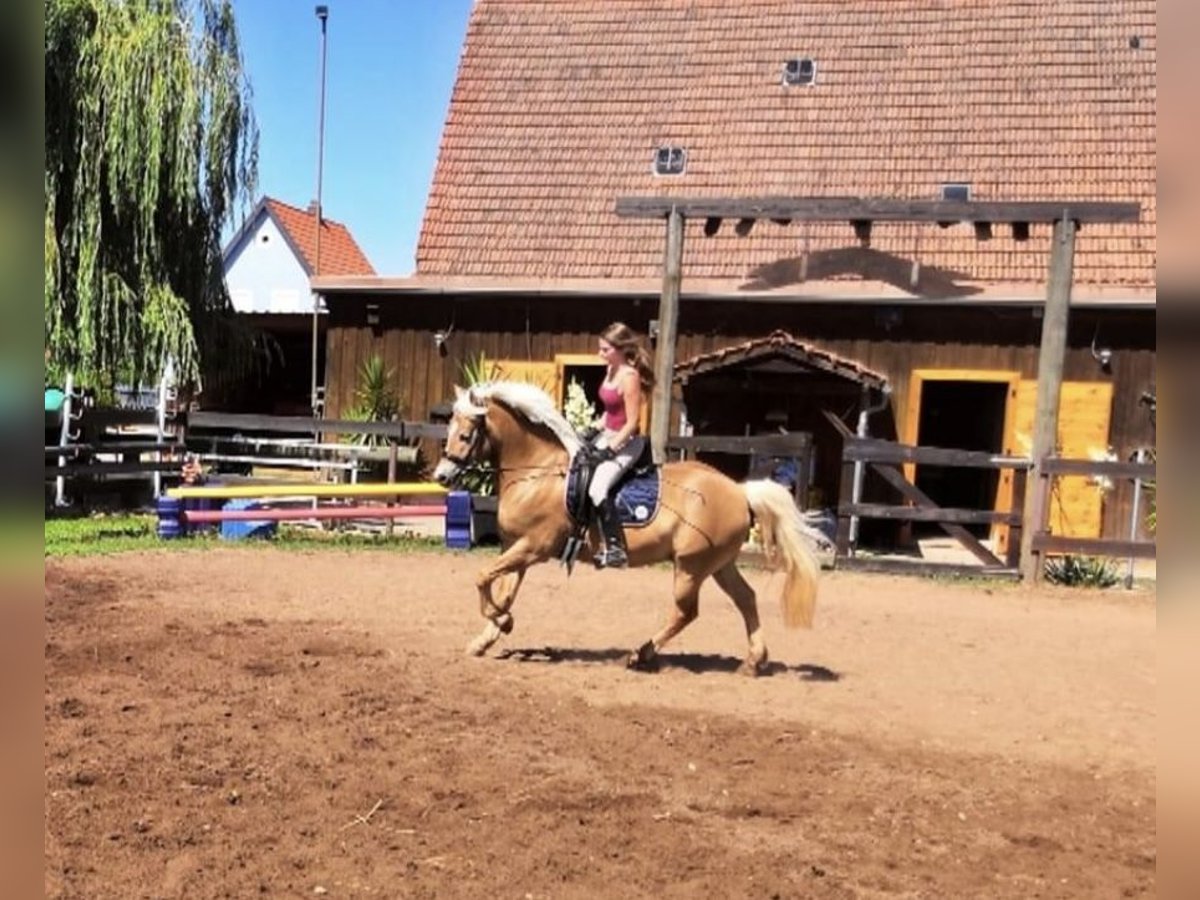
(458, 520)
(170, 523)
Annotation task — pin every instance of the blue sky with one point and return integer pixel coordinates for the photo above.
(389, 74)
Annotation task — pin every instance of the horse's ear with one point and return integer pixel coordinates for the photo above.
(458, 393)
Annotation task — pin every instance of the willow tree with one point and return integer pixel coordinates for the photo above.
(151, 147)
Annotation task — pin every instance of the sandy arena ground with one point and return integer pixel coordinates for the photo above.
(244, 723)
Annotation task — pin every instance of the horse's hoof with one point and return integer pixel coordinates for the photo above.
(644, 658)
(752, 668)
(749, 669)
(477, 647)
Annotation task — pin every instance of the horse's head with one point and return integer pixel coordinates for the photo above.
(466, 439)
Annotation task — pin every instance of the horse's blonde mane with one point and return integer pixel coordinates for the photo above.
(527, 399)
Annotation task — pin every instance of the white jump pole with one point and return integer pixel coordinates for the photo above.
(64, 438)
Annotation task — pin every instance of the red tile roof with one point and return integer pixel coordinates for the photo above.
(779, 343)
(560, 104)
(340, 254)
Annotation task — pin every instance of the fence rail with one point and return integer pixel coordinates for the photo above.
(1043, 543)
(885, 458)
(223, 439)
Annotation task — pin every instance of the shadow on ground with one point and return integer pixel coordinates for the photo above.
(697, 663)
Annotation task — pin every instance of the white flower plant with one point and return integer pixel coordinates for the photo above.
(578, 410)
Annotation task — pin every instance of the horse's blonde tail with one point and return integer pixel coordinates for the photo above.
(780, 527)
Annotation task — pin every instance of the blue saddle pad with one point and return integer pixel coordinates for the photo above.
(637, 500)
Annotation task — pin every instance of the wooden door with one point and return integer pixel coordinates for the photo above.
(912, 419)
(1075, 506)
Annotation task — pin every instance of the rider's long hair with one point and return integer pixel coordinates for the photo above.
(624, 339)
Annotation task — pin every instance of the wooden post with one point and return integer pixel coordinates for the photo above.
(391, 479)
(845, 498)
(1013, 556)
(668, 325)
(1049, 381)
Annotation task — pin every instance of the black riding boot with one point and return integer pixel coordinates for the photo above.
(613, 556)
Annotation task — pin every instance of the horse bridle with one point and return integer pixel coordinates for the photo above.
(472, 445)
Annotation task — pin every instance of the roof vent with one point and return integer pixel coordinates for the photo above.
(800, 71)
(670, 161)
(956, 191)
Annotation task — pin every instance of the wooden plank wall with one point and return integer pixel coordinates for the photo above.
(538, 328)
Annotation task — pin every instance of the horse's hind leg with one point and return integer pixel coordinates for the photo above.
(739, 590)
(687, 607)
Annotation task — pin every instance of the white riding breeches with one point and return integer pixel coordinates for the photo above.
(610, 470)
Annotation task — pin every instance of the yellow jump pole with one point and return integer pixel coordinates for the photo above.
(299, 490)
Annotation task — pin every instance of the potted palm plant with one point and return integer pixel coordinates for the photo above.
(376, 400)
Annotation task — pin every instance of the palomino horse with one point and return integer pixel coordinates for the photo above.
(703, 519)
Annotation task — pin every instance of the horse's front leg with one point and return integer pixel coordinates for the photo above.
(498, 585)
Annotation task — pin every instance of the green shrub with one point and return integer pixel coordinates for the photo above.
(1081, 571)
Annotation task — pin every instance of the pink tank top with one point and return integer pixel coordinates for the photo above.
(614, 408)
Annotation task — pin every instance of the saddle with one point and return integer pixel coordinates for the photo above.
(635, 496)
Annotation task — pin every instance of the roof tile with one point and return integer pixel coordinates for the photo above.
(559, 105)
(340, 254)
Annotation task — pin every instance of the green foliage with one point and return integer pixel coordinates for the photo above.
(105, 535)
(150, 143)
(375, 399)
(478, 369)
(99, 535)
(1081, 571)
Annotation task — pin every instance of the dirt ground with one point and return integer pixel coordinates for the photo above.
(265, 723)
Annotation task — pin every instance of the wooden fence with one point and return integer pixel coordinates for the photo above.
(886, 459)
(112, 452)
(760, 448)
(1044, 543)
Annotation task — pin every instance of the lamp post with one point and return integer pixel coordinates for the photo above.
(322, 15)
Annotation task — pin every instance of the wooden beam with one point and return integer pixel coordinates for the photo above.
(301, 425)
(1049, 386)
(1089, 467)
(668, 326)
(922, 514)
(866, 209)
(881, 451)
(912, 492)
(791, 444)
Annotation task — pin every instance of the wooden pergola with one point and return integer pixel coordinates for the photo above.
(1065, 216)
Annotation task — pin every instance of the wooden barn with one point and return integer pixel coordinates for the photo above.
(561, 110)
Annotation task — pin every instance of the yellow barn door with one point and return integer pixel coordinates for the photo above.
(1075, 508)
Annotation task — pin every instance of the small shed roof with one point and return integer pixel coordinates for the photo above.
(779, 346)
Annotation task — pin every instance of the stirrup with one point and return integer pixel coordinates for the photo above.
(612, 558)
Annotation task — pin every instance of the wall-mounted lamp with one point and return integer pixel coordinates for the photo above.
(1102, 355)
(373, 315)
(652, 331)
(440, 338)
